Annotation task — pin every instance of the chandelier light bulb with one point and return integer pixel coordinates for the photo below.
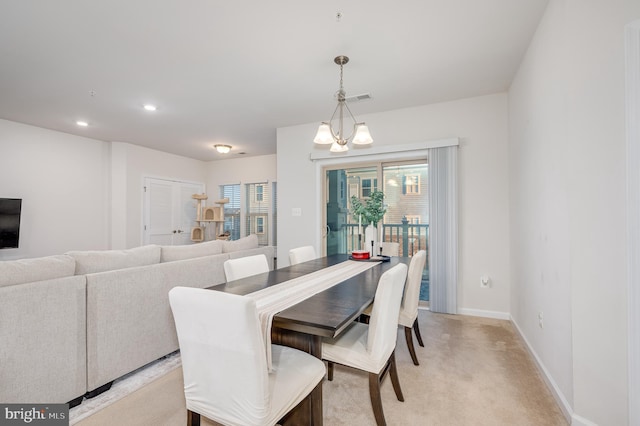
(362, 137)
(323, 137)
(336, 147)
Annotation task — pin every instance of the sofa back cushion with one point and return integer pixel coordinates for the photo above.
(22, 271)
(190, 251)
(89, 262)
(245, 243)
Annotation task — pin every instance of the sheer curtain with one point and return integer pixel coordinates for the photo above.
(443, 229)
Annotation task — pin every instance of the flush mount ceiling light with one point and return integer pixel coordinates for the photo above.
(222, 149)
(326, 133)
(82, 123)
(150, 107)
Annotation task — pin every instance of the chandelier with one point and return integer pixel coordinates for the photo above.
(327, 135)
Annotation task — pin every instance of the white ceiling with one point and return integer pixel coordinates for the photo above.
(233, 71)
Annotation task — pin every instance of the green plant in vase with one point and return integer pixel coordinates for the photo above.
(371, 211)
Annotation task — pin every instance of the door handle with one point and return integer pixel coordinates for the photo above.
(174, 231)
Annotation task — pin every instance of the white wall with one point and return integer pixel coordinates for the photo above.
(481, 123)
(63, 182)
(130, 164)
(567, 200)
(239, 170)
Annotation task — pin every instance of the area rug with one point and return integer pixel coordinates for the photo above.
(125, 386)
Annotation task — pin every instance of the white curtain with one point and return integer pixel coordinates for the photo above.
(443, 229)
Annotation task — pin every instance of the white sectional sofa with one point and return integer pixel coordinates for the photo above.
(71, 324)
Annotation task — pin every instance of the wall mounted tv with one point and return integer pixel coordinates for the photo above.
(10, 209)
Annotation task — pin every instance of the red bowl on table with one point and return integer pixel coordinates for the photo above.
(360, 255)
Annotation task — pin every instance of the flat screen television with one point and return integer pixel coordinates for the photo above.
(10, 209)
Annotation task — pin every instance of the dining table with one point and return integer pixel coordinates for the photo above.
(325, 314)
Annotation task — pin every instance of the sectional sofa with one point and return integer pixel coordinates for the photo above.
(71, 324)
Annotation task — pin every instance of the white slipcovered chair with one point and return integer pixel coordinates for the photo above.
(390, 248)
(301, 254)
(371, 347)
(408, 317)
(224, 362)
(242, 267)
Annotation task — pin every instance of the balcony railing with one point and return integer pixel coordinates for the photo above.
(412, 237)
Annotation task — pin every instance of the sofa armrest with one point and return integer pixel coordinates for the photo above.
(43, 341)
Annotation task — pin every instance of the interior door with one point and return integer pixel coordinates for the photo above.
(169, 211)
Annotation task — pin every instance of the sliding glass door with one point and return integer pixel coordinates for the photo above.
(406, 222)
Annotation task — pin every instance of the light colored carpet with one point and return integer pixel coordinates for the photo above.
(473, 371)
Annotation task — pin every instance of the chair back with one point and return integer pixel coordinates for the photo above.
(301, 254)
(223, 355)
(390, 248)
(383, 323)
(241, 267)
(411, 298)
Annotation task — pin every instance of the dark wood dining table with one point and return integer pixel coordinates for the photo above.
(325, 314)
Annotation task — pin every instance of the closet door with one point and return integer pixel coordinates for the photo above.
(169, 211)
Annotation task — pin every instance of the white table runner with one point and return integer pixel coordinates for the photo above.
(274, 299)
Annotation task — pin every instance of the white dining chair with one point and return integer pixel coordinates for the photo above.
(224, 362)
(242, 267)
(301, 254)
(371, 347)
(408, 316)
(390, 248)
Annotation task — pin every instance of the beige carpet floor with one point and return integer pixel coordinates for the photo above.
(473, 371)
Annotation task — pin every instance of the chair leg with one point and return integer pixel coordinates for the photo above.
(393, 372)
(416, 328)
(193, 419)
(329, 370)
(412, 350)
(376, 400)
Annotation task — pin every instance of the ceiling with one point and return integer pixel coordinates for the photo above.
(232, 72)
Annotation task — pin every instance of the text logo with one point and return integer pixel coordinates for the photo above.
(34, 414)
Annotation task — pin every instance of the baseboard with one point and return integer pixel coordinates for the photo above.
(484, 314)
(565, 407)
(576, 420)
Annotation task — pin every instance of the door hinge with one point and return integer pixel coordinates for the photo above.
(145, 227)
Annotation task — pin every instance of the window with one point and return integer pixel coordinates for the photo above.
(413, 219)
(260, 224)
(231, 210)
(367, 189)
(258, 205)
(411, 184)
(259, 193)
(274, 214)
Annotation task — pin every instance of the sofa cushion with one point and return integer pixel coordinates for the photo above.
(245, 243)
(189, 251)
(22, 271)
(89, 262)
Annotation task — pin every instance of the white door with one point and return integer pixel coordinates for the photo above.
(169, 211)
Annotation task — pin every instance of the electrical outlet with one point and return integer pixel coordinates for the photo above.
(541, 319)
(484, 281)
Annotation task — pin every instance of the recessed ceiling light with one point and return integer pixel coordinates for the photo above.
(82, 123)
(150, 107)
